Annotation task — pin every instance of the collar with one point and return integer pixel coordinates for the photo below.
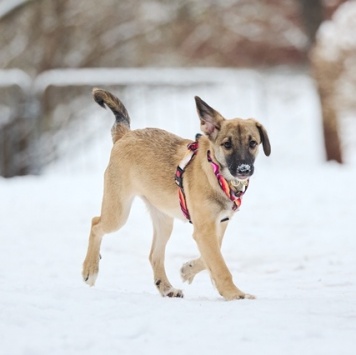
(234, 190)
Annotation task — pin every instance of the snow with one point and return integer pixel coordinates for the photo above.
(336, 36)
(292, 244)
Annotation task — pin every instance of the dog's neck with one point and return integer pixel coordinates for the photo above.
(235, 184)
(234, 189)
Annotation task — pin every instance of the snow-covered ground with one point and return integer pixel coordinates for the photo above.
(292, 245)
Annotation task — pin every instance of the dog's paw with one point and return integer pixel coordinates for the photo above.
(238, 296)
(249, 297)
(166, 289)
(174, 293)
(190, 269)
(187, 273)
(90, 278)
(90, 273)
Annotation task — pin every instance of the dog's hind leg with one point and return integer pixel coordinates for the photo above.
(114, 212)
(191, 268)
(162, 229)
(91, 262)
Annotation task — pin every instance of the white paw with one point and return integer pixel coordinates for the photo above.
(90, 278)
(238, 296)
(90, 272)
(173, 292)
(187, 272)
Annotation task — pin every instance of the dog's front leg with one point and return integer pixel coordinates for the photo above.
(191, 268)
(208, 244)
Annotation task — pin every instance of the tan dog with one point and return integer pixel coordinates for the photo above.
(144, 162)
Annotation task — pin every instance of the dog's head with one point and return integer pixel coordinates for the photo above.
(235, 142)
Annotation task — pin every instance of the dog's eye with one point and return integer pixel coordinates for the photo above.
(227, 145)
(253, 144)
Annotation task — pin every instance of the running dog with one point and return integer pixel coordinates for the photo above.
(201, 181)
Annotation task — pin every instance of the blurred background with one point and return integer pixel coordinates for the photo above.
(262, 58)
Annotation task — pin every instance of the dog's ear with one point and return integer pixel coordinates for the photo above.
(210, 120)
(264, 139)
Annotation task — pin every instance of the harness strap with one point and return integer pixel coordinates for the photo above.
(192, 151)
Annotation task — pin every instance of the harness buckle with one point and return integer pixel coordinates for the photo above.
(179, 177)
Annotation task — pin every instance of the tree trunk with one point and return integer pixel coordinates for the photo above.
(326, 74)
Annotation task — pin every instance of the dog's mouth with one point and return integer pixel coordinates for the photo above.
(243, 177)
(238, 176)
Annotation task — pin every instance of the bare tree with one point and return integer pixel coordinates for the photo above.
(333, 59)
(39, 34)
(326, 72)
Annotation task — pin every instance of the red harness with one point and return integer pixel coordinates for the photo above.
(234, 196)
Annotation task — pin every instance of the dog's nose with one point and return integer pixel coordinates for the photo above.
(244, 169)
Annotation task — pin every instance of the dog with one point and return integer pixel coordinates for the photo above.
(201, 181)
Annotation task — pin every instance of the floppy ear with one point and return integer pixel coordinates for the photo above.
(264, 139)
(210, 120)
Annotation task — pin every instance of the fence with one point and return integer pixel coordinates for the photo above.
(53, 116)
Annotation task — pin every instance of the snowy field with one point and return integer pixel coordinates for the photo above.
(292, 245)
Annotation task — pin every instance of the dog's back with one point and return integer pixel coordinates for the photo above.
(147, 160)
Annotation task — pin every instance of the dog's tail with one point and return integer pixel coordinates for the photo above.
(122, 118)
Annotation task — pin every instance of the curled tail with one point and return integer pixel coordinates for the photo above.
(122, 118)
